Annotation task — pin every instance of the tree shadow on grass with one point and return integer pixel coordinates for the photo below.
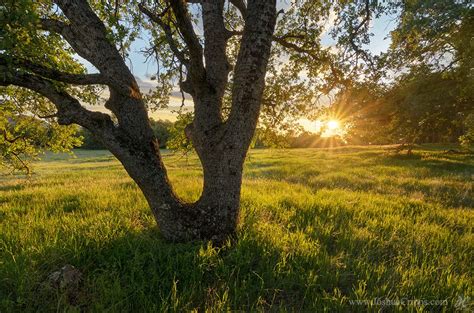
(101, 159)
(141, 272)
(437, 163)
(13, 187)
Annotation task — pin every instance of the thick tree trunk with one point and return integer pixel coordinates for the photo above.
(214, 216)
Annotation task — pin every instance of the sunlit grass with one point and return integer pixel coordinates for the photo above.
(319, 229)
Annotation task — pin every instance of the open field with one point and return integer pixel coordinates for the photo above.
(320, 229)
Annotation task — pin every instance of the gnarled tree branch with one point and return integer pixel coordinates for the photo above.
(185, 26)
(69, 109)
(77, 79)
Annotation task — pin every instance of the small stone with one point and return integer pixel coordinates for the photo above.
(67, 277)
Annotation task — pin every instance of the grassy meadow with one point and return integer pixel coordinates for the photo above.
(322, 230)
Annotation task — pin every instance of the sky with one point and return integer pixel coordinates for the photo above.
(142, 70)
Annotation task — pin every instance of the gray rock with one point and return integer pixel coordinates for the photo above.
(68, 277)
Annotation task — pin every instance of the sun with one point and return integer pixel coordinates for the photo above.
(333, 124)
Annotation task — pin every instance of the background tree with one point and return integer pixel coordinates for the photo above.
(178, 140)
(427, 107)
(89, 142)
(24, 136)
(467, 140)
(162, 131)
(433, 43)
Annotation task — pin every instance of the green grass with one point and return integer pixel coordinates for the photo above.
(319, 230)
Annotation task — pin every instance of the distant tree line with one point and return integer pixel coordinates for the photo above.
(171, 136)
(295, 139)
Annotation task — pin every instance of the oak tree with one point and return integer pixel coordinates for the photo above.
(222, 53)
